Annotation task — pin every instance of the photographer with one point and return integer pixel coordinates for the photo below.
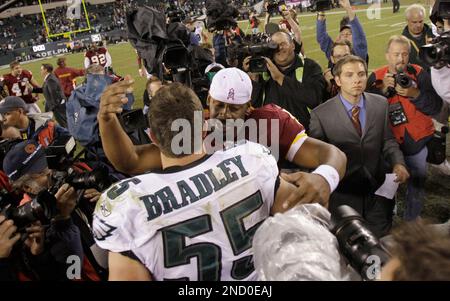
(26, 166)
(350, 30)
(44, 252)
(39, 126)
(338, 52)
(288, 23)
(292, 82)
(412, 102)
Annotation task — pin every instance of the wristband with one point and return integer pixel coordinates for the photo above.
(330, 174)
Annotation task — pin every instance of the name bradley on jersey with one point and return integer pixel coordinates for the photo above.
(198, 187)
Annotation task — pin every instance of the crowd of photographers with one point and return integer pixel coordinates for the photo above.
(393, 120)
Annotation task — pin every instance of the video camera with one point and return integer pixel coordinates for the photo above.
(320, 5)
(437, 54)
(175, 14)
(257, 46)
(220, 15)
(359, 245)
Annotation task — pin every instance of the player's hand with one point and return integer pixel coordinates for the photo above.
(311, 188)
(142, 73)
(345, 4)
(114, 97)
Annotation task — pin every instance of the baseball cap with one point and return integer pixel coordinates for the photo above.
(11, 103)
(345, 27)
(231, 85)
(26, 157)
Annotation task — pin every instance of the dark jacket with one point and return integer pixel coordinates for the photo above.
(293, 96)
(62, 240)
(55, 99)
(366, 155)
(416, 43)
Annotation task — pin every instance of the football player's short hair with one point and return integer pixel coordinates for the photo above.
(14, 64)
(170, 103)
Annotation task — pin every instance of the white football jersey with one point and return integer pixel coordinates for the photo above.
(193, 222)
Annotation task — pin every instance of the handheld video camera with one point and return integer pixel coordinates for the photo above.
(358, 244)
(220, 15)
(437, 54)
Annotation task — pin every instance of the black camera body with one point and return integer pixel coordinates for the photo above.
(258, 49)
(273, 6)
(42, 208)
(359, 245)
(403, 80)
(133, 120)
(320, 5)
(220, 15)
(60, 158)
(175, 15)
(437, 54)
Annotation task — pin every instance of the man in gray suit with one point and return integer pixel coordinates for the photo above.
(357, 123)
(55, 100)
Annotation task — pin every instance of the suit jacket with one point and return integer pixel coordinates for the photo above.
(53, 93)
(366, 155)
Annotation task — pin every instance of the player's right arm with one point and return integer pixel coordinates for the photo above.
(119, 149)
(87, 62)
(123, 268)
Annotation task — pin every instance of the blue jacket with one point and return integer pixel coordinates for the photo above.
(359, 42)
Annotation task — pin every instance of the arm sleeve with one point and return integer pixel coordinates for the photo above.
(440, 79)
(258, 93)
(65, 240)
(315, 127)
(323, 38)
(87, 62)
(373, 86)
(108, 59)
(428, 102)
(359, 39)
(77, 72)
(6, 273)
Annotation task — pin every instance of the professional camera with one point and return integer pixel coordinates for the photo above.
(358, 244)
(320, 5)
(273, 6)
(403, 80)
(60, 158)
(133, 120)
(220, 15)
(42, 208)
(175, 14)
(257, 46)
(437, 54)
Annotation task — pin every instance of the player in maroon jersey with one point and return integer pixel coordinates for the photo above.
(97, 55)
(229, 99)
(20, 82)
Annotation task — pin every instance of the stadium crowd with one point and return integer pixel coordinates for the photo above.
(93, 176)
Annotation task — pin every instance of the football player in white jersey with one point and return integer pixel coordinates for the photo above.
(195, 218)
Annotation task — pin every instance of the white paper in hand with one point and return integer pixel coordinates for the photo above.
(389, 187)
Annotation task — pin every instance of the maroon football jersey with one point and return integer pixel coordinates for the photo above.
(290, 129)
(97, 56)
(18, 85)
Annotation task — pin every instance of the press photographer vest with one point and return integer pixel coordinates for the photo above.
(418, 125)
